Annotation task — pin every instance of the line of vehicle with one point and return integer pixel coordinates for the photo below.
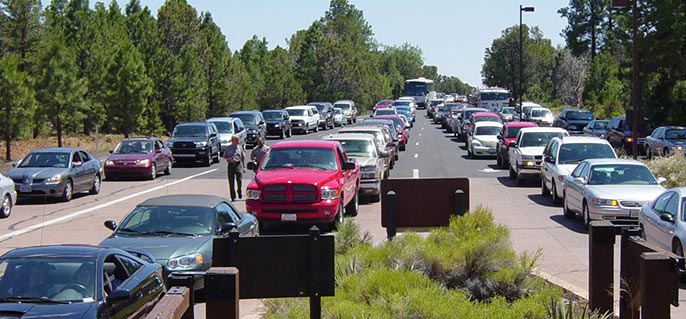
(103, 205)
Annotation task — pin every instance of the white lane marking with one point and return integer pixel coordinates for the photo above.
(415, 173)
(416, 143)
(88, 210)
(416, 155)
(420, 134)
(490, 170)
(422, 128)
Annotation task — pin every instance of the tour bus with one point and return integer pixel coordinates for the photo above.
(421, 90)
(492, 99)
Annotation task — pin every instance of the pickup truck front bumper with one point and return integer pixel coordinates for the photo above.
(319, 212)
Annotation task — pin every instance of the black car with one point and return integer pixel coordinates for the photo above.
(195, 141)
(78, 281)
(573, 120)
(254, 122)
(178, 230)
(278, 123)
(326, 114)
(619, 133)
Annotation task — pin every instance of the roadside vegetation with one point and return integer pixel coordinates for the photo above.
(466, 270)
(672, 168)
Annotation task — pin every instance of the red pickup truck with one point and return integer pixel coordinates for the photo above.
(304, 182)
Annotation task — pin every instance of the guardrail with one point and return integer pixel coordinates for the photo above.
(649, 275)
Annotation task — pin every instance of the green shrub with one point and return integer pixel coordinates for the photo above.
(465, 270)
(672, 168)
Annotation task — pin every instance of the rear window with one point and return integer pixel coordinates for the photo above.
(534, 139)
(577, 152)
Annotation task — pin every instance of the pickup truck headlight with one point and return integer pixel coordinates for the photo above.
(253, 194)
(185, 262)
(604, 202)
(368, 172)
(109, 163)
(328, 194)
(170, 144)
(200, 144)
(144, 162)
(54, 180)
(277, 125)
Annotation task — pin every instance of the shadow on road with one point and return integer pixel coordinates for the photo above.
(574, 224)
(543, 200)
(528, 183)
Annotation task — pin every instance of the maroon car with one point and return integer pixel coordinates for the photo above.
(403, 131)
(139, 157)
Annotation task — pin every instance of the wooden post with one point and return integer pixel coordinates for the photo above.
(188, 281)
(234, 248)
(658, 276)
(173, 305)
(392, 221)
(221, 293)
(601, 237)
(458, 203)
(630, 276)
(315, 278)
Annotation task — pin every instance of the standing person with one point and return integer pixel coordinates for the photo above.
(259, 151)
(235, 156)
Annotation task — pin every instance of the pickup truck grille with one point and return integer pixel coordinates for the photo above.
(290, 193)
(184, 145)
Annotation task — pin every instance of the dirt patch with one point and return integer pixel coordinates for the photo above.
(98, 146)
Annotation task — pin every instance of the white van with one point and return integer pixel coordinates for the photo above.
(304, 118)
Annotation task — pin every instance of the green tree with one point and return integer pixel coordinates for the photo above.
(190, 82)
(16, 101)
(21, 30)
(178, 22)
(128, 89)
(216, 56)
(60, 91)
(241, 96)
(253, 56)
(282, 89)
(584, 32)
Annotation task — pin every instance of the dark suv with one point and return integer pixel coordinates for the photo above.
(619, 134)
(278, 123)
(195, 141)
(254, 122)
(573, 120)
(326, 114)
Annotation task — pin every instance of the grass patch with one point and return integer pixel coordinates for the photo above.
(466, 270)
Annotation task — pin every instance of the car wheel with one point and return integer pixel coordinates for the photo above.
(307, 129)
(665, 152)
(153, 172)
(469, 153)
(498, 159)
(282, 134)
(218, 157)
(168, 170)
(209, 160)
(338, 219)
(544, 188)
(565, 209)
(556, 199)
(316, 128)
(587, 217)
(68, 191)
(402, 147)
(353, 206)
(290, 131)
(6, 206)
(97, 182)
(642, 232)
(649, 154)
(375, 198)
(513, 174)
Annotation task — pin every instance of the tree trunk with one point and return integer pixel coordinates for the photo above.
(58, 128)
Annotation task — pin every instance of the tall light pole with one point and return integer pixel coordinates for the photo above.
(521, 57)
(634, 70)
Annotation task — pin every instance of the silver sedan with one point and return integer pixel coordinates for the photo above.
(665, 141)
(662, 220)
(9, 196)
(609, 189)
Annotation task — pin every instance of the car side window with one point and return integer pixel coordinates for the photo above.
(131, 265)
(672, 206)
(225, 214)
(75, 157)
(580, 170)
(84, 156)
(661, 202)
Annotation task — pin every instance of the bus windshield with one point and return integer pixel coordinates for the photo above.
(415, 89)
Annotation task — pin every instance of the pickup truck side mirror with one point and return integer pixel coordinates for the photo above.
(384, 154)
(349, 165)
(512, 144)
(252, 165)
(548, 159)
(111, 225)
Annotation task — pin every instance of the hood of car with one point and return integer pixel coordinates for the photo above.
(187, 139)
(578, 122)
(295, 176)
(532, 150)
(34, 172)
(251, 127)
(272, 122)
(565, 169)
(39, 311)
(128, 157)
(641, 193)
(365, 161)
(163, 248)
(486, 138)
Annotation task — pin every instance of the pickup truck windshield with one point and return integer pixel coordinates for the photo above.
(309, 158)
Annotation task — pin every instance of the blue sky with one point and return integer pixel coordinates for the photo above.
(453, 34)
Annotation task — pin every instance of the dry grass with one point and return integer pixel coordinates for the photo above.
(99, 145)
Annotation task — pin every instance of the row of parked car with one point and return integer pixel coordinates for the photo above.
(575, 161)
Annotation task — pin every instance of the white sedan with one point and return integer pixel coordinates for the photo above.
(483, 139)
(9, 196)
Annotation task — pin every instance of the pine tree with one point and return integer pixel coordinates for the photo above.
(16, 101)
(216, 56)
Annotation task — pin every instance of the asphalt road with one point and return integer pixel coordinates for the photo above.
(535, 223)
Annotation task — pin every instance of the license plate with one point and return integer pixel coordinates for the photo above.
(25, 188)
(634, 213)
(289, 217)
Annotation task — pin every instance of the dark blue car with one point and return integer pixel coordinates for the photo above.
(78, 282)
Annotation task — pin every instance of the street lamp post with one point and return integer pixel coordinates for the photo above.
(521, 57)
